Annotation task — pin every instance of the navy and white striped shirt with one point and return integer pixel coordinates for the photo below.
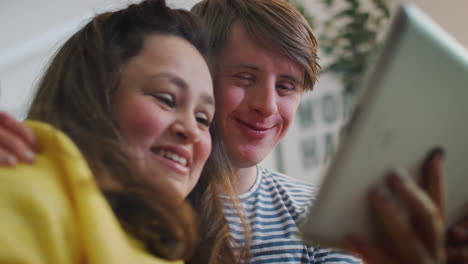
(273, 207)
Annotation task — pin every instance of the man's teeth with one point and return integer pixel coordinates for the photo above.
(173, 156)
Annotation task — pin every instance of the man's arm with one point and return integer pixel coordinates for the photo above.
(17, 141)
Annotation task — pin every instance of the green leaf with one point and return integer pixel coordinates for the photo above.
(345, 13)
(381, 5)
(363, 18)
(328, 49)
(354, 3)
(328, 3)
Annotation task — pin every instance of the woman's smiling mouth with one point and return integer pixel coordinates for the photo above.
(170, 155)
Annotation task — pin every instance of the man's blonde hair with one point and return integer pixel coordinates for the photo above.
(275, 23)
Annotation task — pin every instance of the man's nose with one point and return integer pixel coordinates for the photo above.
(263, 98)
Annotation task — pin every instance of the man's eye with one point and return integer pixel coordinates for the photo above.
(203, 119)
(245, 78)
(165, 98)
(286, 87)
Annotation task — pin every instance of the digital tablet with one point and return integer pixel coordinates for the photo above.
(413, 99)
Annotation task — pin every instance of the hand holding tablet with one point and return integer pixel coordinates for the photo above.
(407, 218)
(414, 99)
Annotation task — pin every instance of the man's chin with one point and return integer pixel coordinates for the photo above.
(247, 161)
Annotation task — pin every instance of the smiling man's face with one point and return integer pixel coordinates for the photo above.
(258, 91)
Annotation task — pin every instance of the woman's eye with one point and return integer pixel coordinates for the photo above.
(165, 98)
(203, 119)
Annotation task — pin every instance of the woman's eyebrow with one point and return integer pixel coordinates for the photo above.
(207, 99)
(182, 84)
(179, 82)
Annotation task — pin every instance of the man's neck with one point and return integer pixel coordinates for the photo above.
(245, 179)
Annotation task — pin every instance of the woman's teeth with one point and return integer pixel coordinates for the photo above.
(172, 156)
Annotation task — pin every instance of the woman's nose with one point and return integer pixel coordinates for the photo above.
(187, 129)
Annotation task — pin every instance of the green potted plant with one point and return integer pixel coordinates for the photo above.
(349, 35)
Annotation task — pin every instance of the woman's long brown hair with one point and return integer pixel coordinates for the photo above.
(217, 244)
(74, 96)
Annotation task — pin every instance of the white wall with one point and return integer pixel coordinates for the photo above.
(31, 31)
(450, 14)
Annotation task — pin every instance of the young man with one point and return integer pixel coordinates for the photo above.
(265, 58)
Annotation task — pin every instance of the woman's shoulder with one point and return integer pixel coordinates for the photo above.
(36, 206)
(50, 172)
(57, 169)
(54, 212)
(54, 143)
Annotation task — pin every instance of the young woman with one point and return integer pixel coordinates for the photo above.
(128, 101)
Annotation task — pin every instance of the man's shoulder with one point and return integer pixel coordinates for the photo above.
(294, 192)
(284, 180)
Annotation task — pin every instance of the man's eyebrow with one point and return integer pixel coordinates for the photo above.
(242, 66)
(256, 68)
(291, 78)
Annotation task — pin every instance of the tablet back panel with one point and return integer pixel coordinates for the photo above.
(415, 98)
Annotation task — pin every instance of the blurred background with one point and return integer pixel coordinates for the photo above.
(349, 33)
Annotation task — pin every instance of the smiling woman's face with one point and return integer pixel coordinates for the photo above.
(163, 107)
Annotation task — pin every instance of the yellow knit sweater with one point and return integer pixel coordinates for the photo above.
(52, 212)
